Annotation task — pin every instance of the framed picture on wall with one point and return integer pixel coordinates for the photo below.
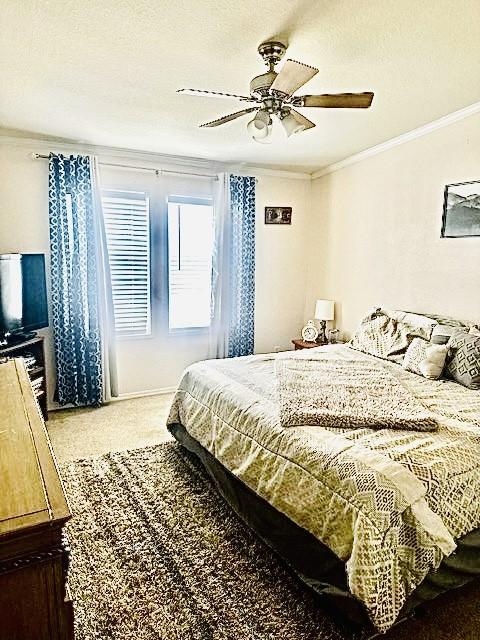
(278, 215)
(461, 210)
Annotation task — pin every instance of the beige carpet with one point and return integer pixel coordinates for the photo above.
(118, 426)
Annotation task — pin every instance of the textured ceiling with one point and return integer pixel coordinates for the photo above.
(105, 72)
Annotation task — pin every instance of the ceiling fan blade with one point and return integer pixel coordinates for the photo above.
(231, 116)
(337, 100)
(308, 124)
(292, 76)
(213, 94)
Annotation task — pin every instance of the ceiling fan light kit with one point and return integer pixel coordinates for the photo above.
(272, 93)
(291, 124)
(260, 127)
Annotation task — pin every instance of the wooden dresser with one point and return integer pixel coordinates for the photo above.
(33, 510)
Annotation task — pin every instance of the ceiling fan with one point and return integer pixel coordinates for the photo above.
(273, 95)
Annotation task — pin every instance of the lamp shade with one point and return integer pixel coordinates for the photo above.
(324, 310)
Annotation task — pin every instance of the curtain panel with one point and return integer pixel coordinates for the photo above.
(76, 281)
(242, 272)
(233, 271)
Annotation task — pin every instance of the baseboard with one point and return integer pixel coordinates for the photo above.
(143, 394)
(123, 396)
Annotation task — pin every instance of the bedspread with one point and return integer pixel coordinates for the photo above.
(390, 503)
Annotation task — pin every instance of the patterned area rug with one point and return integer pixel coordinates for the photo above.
(157, 554)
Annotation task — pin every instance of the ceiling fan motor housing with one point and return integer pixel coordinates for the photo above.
(260, 85)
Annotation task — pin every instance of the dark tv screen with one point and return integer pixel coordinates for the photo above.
(23, 295)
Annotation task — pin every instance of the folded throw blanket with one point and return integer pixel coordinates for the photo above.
(346, 394)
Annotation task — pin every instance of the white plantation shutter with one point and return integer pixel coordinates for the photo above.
(127, 227)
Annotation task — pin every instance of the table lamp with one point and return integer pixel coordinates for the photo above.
(324, 310)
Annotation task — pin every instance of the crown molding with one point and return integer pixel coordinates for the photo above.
(424, 130)
(250, 169)
(155, 159)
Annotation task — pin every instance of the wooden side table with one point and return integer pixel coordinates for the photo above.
(302, 344)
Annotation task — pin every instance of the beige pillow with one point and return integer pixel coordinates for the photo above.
(381, 336)
(422, 326)
(425, 359)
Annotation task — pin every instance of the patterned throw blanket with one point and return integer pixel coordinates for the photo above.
(346, 394)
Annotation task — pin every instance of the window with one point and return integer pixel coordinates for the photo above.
(126, 215)
(190, 246)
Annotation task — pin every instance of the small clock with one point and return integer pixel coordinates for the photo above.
(310, 332)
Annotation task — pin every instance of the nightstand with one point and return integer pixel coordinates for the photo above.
(301, 344)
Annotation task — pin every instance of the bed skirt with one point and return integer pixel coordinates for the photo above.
(313, 562)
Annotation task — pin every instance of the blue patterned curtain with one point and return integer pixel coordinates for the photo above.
(74, 282)
(242, 266)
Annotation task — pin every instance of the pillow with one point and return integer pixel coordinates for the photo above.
(382, 336)
(464, 360)
(452, 322)
(474, 331)
(421, 325)
(442, 333)
(425, 359)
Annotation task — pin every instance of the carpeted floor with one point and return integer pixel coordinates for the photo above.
(157, 554)
(118, 426)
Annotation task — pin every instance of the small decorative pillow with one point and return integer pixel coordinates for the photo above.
(425, 359)
(464, 360)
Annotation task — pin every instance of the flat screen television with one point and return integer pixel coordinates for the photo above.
(23, 294)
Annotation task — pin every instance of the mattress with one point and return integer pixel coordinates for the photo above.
(388, 503)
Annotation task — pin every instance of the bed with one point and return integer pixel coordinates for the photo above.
(374, 520)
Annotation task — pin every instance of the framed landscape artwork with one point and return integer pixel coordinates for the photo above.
(278, 215)
(461, 210)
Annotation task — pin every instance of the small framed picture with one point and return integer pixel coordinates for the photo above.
(278, 215)
(461, 210)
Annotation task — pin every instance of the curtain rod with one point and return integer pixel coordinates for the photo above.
(157, 172)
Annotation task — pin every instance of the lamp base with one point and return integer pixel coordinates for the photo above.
(322, 334)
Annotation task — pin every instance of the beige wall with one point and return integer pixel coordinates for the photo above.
(281, 264)
(156, 363)
(24, 218)
(366, 234)
(376, 231)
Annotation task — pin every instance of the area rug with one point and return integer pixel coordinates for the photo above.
(158, 555)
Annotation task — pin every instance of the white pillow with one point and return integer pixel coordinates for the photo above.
(425, 358)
